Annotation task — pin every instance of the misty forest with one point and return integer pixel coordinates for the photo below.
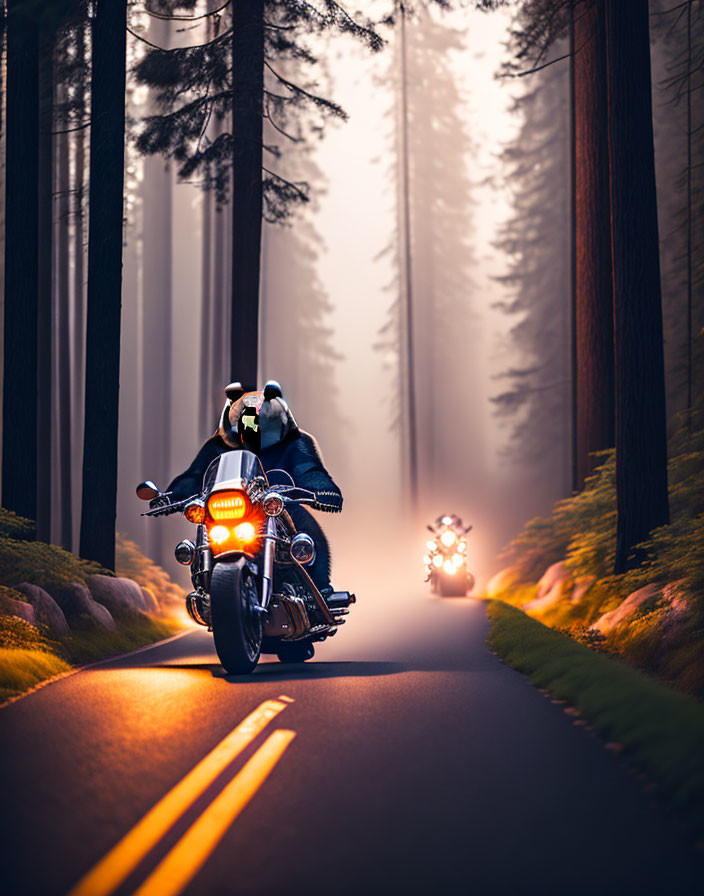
(467, 239)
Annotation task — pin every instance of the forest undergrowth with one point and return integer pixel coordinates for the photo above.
(651, 616)
(32, 652)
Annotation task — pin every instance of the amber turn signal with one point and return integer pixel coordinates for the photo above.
(195, 512)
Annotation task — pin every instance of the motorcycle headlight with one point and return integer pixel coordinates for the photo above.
(448, 538)
(218, 534)
(245, 532)
(227, 505)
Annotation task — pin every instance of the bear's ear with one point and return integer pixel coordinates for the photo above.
(272, 390)
(234, 391)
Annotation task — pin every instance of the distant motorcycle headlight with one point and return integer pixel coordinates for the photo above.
(449, 567)
(185, 552)
(437, 560)
(448, 538)
(219, 534)
(272, 504)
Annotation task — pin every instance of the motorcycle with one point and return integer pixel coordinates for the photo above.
(251, 588)
(446, 558)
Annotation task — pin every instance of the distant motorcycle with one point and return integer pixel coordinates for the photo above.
(248, 564)
(446, 558)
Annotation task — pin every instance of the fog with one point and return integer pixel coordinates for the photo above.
(330, 326)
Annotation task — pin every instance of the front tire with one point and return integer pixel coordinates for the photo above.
(451, 587)
(237, 625)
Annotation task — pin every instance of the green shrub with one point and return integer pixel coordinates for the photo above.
(13, 526)
(46, 565)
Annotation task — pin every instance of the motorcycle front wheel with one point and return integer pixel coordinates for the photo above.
(237, 626)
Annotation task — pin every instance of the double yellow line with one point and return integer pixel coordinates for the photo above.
(191, 852)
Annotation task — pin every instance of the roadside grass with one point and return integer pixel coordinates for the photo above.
(21, 670)
(133, 632)
(659, 731)
(28, 656)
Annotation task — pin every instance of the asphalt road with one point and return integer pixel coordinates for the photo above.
(394, 762)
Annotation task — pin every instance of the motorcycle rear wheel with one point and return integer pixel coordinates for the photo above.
(237, 626)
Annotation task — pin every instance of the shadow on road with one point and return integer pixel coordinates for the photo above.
(293, 671)
(298, 671)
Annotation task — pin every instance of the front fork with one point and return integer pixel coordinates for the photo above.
(203, 561)
(268, 561)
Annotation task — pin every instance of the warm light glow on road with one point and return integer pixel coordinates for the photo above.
(119, 863)
(180, 866)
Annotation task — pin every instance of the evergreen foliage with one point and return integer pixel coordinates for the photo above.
(535, 402)
(193, 87)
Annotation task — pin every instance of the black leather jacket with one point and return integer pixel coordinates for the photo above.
(297, 453)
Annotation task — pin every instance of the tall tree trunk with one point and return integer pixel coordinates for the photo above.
(593, 279)
(641, 447)
(79, 319)
(156, 319)
(64, 339)
(45, 270)
(205, 373)
(574, 468)
(689, 217)
(107, 158)
(407, 276)
(19, 459)
(248, 89)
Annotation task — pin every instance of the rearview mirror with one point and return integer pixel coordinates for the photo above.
(147, 490)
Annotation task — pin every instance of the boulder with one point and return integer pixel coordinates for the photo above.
(45, 608)
(625, 609)
(117, 594)
(554, 584)
(581, 586)
(502, 581)
(76, 601)
(554, 575)
(150, 601)
(20, 609)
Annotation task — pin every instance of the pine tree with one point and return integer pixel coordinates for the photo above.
(107, 147)
(641, 446)
(235, 73)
